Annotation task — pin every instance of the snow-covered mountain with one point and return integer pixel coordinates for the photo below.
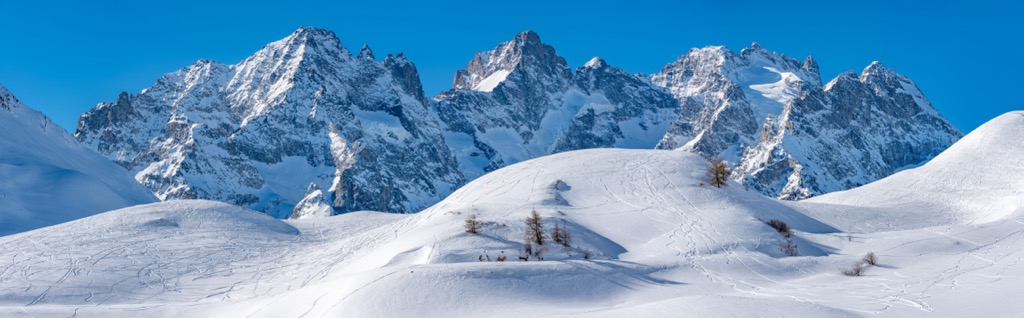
(521, 101)
(301, 110)
(977, 180)
(789, 136)
(47, 177)
(305, 110)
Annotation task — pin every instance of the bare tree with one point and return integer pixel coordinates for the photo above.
(870, 259)
(472, 224)
(718, 172)
(560, 235)
(856, 270)
(787, 246)
(534, 229)
(780, 226)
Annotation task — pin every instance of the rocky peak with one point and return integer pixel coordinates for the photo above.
(811, 67)
(596, 63)
(312, 205)
(876, 73)
(844, 78)
(404, 71)
(306, 43)
(366, 54)
(524, 53)
(7, 100)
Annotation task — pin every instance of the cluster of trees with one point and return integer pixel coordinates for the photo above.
(534, 238)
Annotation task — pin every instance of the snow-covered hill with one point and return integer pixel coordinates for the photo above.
(46, 177)
(979, 179)
(648, 239)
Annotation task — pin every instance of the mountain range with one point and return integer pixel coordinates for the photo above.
(304, 119)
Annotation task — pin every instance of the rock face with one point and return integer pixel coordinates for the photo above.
(789, 136)
(259, 132)
(305, 110)
(521, 101)
(313, 205)
(47, 177)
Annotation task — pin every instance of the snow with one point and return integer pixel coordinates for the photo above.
(491, 81)
(976, 180)
(660, 241)
(46, 177)
(774, 93)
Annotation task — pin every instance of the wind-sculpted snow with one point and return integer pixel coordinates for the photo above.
(46, 177)
(658, 243)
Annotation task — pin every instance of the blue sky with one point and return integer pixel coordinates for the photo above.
(63, 57)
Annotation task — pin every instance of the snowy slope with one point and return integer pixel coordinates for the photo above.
(46, 177)
(661, 244)
(977, 180)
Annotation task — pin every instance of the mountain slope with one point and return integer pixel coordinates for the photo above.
(657, 239)
(789, 136)
(301, 110)
(977, 180)
(46, 177)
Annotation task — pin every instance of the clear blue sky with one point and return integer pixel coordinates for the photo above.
(63, 57)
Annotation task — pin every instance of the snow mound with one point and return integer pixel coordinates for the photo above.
(46, 177)
(634, 205)
(977, 180)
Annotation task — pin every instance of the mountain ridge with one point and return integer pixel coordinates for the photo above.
(518, 101)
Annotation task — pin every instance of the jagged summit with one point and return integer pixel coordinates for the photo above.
(524, 53)
(528, 37)
(313, 32)
(596, 62)
(366, 54)
(877, 70)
